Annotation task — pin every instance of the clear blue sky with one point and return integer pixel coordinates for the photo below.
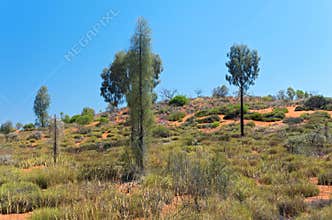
(294, 39)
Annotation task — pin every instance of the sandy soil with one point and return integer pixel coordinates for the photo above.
(104, 135)
(31, 169)
(16, 216)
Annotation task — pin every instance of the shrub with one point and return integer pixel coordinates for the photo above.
(66, 119)
(215, 124)
(84, 119)
(233, 111)
(209, 119)
(36, 136)
(74, 118)
(7, 127)
(220, 91)
(328, 107)
(161, 131)
(197, 177)
(325, 178)
(19, 197)
(103, 120)
(29, 127)
(179, 100)
(88, 111)
(301, 189)
(290, 207)
(316, 102)
(176, 116)
(293, 121)
(300, 108)
(277, 114)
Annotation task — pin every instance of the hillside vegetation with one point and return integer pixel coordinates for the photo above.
(197, 165)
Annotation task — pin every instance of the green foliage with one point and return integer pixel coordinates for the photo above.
(88, 111)
(176, 116)
(291, 93)
(84, 119)
(243, 66)
(41, 105)
(103, 120)
(293, 121)
(198, 177)
(160, 131)
(7, 127)
(300, 108)
(209, 119)
(66, 119)
(179, 100)
(300, 94)
(220, 91)
(233, 111)
(19, 197)
(276, 115)
(290, 207)
(316, 102)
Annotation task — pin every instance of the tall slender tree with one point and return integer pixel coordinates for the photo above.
(142, 82)
(41, 106)
(243, 68)
(132, 77)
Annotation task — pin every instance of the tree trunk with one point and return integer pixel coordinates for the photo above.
(55, 144)
(141, 114)
(242, 113)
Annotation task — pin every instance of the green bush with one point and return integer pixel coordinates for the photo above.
(84, 119)
(209, 119)
(277, 114)
(300, 108)
(233, 111)
(19, 197)
(179, 100)
(291, 207)
(176, 116)
(316, 102)
(29, 127)
(198, 177)
(7, 127)
(328, 107)
(103, 120)
(74, 118)
(301, 189)
(293, 121)
(161, 131)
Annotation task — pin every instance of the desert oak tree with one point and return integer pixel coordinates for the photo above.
(243, 69)
(132, 77)
(41, 106)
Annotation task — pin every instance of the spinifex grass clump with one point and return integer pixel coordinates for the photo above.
(19, 197)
